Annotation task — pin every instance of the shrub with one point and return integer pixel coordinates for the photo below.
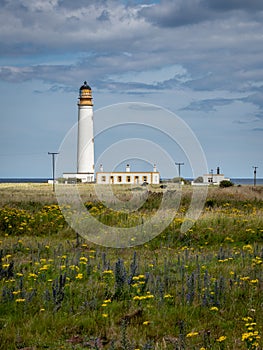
(226, 183)
(199, 179)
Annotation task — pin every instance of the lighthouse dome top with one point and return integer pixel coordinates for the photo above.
(85, 86)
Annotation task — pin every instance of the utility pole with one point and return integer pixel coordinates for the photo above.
(179, 171)
(53, 167)
(255, 174)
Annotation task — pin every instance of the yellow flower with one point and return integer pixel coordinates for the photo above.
(79, 276)
(149, 296)
(135, 278)
(108, 272)
(246, 335)
(44, 268)
(222, 338)
(105, 315)
(146, 323)
(168, 296)
(15, 292)
(83, 258)
(20, 300)
(191, 334)
(245, 278)
(214, 308)
(248, 247)
(247, 319)
(32, 275)
(107, 301)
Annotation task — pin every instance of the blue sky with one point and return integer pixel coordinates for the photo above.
(201, 59)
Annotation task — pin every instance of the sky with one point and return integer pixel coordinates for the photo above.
(199, 59)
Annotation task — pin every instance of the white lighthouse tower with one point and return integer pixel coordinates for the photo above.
(85, 151)
(85, 155)
(85, 143)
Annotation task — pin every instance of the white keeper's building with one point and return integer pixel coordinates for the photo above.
(128, 177)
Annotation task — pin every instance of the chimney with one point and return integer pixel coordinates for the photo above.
(128, 169)
(101, 167)
(154, 168)
(218, 170)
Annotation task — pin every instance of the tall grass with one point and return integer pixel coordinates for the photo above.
(199, 290)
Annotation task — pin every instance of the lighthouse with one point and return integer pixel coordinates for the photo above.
(85, 152)
(85, 140)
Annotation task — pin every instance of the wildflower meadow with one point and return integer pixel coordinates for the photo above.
(198, 290)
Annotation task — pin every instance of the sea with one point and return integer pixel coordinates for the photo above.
(236, 181)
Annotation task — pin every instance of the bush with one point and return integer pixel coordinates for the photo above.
(226, 183)
(199, 179)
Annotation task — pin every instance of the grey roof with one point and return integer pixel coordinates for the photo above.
(85, 86)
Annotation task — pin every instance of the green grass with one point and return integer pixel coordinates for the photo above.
(198, 290)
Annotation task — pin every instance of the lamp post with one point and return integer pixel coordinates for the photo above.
(179, 171)
(53, 167)
(255, 174)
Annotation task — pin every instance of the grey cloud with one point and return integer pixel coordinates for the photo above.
(170, 13)
(229, 5)
(104, 16)
(208, 105)
(56, 88)
(69, 4)
(126, 87)
(256, 98)
(218, 55)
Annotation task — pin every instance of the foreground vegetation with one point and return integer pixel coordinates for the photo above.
(198, 290)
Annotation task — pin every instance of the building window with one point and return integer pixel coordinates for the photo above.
(103, 178)
(112, 179)
(136, 179)
(144, 178)
(119, 179)
(128, 179)
(210, 179)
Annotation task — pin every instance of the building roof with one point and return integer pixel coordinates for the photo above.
(85, 86)
(127, 172)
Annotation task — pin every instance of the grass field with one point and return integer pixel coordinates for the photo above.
(199, 290)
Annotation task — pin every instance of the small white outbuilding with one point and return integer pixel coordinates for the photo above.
(211, 178)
